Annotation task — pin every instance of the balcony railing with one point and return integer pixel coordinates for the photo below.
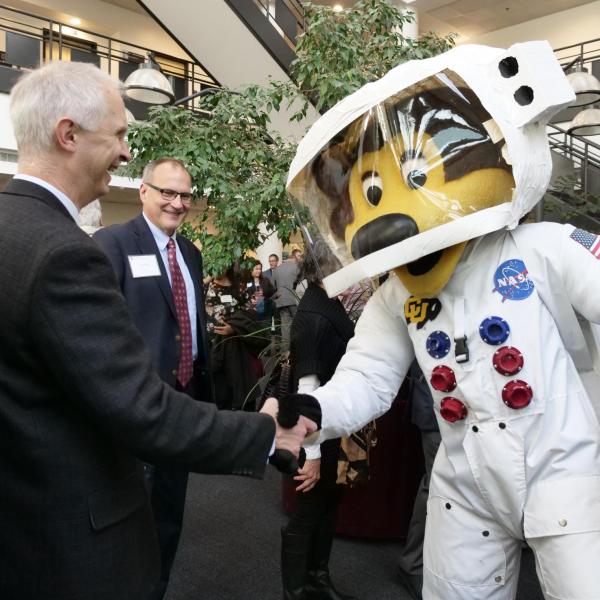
(27, 40)
(276, 24)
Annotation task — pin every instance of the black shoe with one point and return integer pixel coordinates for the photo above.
(413, 584)
(320, 587)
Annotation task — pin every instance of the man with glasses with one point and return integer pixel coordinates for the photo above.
(160, 274)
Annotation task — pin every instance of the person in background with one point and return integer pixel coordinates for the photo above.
(237, 338)
(165, 300)
(80, 403)
(260, 290)
(90, 217)
(410, 568)
(284, 280)
(319, 334)
(273, 262)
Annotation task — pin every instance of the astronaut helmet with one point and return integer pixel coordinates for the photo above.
(404, 172)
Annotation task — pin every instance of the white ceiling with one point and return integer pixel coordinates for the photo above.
(128, 4)
(471, 18)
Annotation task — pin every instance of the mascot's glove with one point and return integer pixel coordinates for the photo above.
(291, 406)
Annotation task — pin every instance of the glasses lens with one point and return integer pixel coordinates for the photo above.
(186, 197)
(168, 194)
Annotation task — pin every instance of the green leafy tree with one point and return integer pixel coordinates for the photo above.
(342, 51)
(238, 164)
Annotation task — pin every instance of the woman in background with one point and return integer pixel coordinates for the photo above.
(260, 290)
(320, 332)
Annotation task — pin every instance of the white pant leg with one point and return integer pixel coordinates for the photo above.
(467, 556)
(568, 565)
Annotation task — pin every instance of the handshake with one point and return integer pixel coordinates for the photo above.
(296, 417)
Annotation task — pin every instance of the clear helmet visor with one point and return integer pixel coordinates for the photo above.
(425, 156)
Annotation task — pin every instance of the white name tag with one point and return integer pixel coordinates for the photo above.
(144, 265)
(226, 298)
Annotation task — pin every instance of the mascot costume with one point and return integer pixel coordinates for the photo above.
(426, 174)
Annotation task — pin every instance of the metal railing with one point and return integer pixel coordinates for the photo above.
(586, 52)
(58, 40)
(269, 9)
(584, 153)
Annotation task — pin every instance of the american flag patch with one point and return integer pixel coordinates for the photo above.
(587, 240)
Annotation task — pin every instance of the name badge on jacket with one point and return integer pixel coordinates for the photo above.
(144, 265)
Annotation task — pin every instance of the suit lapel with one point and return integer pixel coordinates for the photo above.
(147, 245)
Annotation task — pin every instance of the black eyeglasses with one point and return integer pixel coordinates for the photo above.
(170, 195)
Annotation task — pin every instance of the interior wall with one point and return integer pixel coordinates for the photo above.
(107, 19)
(564, 28)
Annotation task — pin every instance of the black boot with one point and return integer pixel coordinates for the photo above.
(294, 557)
(319, 585)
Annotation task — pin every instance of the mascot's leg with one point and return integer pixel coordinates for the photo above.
(567, 565)
(467, 555)
(562, 526)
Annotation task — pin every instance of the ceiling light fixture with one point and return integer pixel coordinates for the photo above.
(584, 84)
(586, 122)
(148, 84)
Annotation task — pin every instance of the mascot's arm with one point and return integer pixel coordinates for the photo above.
(370, 374)
(580, 270)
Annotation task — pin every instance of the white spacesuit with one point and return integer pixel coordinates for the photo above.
(488, 313)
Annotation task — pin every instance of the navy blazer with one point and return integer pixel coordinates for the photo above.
(150, 299)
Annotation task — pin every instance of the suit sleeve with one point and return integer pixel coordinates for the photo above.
(83, 329)
(580, 269)
(370, 373)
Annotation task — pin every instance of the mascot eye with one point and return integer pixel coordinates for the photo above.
(414, 171)
(372, 187)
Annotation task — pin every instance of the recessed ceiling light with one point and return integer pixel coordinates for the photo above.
(75, 21)
(338, 8)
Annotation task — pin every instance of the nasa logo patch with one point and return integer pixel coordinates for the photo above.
(511, 280)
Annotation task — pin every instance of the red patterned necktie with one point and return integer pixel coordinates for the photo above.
(184, 372)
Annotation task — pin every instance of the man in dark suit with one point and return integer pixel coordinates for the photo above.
(273, 262)
(139, 253)
(79, 400)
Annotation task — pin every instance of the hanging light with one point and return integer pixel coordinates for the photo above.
(585, 85)
(147, 84)
(586, 122)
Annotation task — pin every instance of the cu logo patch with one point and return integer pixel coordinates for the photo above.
(511, 280)
(421, 310)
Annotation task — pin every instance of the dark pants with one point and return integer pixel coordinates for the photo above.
(411, 559)
(317, 508)
(167, 486)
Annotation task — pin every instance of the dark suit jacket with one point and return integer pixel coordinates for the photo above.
(79, 401)
(150, 299)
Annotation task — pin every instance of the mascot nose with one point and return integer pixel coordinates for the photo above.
(381, 233)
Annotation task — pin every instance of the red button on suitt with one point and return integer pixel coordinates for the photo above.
(443, 379)
(517, 394)
(507, 360)
(452, 409)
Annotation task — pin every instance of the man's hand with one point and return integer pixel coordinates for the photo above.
(288, 440)
(309, 475)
